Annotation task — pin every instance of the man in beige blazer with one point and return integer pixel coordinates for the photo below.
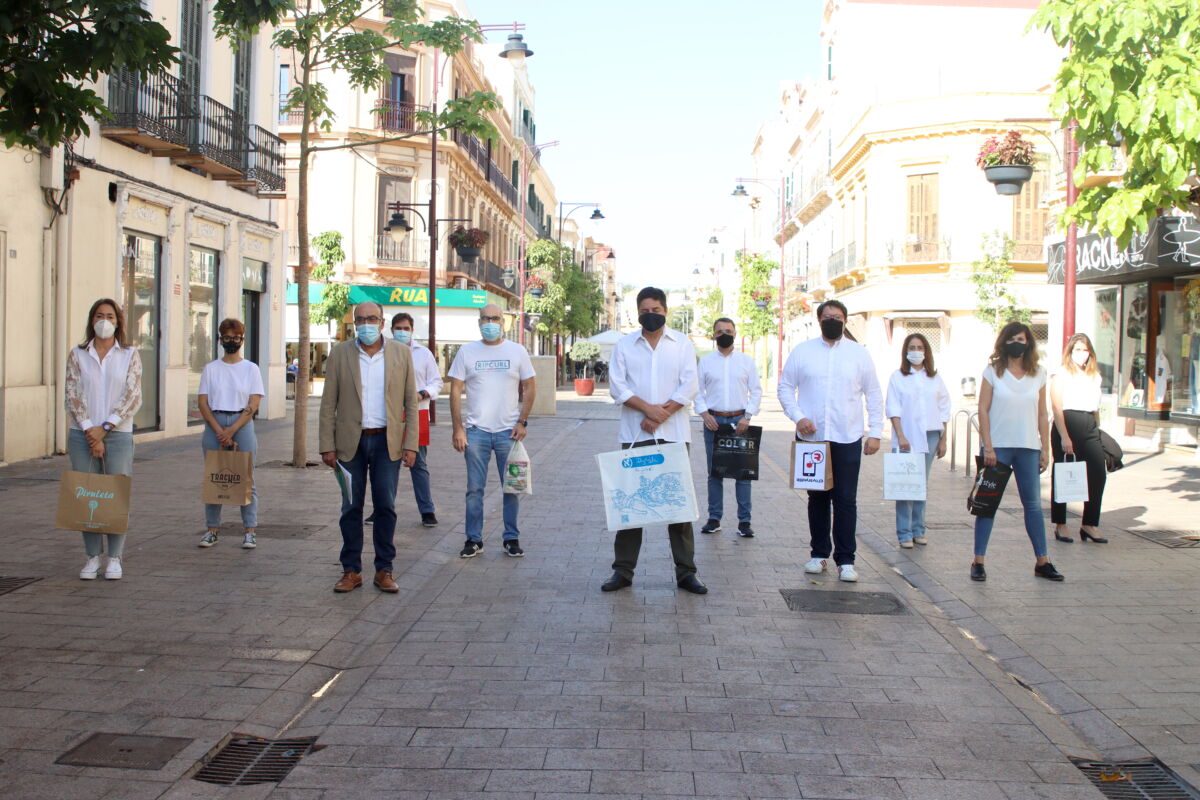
(368, 427)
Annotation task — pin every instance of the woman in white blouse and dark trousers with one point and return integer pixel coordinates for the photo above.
(103, 392)
(1075, 402)
(918, 405)
(1014, 431)
(230, 390)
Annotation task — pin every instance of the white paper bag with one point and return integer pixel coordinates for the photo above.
(518, 472)
(811, 467)
(649, 485)
(1070, 482)
(903, 476)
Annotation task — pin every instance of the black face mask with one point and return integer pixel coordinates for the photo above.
(725, 340)
(832, 329)
(231, 347)
(652, 322)
(1015, 349)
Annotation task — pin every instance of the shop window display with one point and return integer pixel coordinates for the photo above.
(1181, 343)
(1105, 339)
(1135, 310)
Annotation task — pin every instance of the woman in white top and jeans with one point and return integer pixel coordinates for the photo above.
(1015, 432)
(1075, 402)
(103, 392)
(918, 405)
(230, 390)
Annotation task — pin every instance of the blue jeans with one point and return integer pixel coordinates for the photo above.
(839, 504)
(910, 514)
(420, 480)
(1024, 463)
(372, 459)
(480, 446)
(118, 460)
(716, 486)
(247, 442)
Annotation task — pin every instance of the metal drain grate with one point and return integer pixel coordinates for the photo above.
(1136, 780)
(838, 602)
(124, 751)
(12, 584)
(247, 761)
(1168, 538)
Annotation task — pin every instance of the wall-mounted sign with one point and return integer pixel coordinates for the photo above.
(1170, 245)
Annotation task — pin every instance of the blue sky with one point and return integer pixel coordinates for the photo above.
(655, 104)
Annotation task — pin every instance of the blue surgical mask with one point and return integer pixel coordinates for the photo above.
(402, 336)
(367, 334)
(490, 331)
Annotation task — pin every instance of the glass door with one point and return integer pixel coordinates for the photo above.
(143, 319)
(202, 321)
(254, 283)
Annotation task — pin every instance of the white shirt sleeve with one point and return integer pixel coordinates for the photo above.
(527, 370)
(431, 377)
(787, 388)
(895, 403)
(874, 398)
(618, 380)
(206, 380)
(754, 397)
(458, 367)
(700, 404)
(689, 384)
(943, 400)
(255, 384)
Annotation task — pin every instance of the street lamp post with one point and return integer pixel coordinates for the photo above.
(740, 191)
(537, 151)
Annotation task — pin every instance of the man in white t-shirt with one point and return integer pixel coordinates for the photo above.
(492, 371)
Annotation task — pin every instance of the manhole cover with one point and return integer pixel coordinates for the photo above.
(124, 751)
(1168, 538)
(12, 584)
(841, 602)
(247, 761)
(1136, 780)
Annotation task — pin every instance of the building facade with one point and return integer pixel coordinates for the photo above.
(170, 208)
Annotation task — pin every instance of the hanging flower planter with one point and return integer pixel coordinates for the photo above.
(1007, 163)
(468, 254)
(468, 242)
(536, 291)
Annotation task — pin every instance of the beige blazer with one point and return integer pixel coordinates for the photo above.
(341, 400)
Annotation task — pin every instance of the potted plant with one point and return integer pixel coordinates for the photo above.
(535, 285)
(584, 352)
(468, 242)
(1007, 162)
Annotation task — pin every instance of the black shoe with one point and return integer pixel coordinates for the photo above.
(744, 529)
(1087, 537)
(370, 520)
(712, 526)
(471, 549)
(617, 581)
(429, 520)
(690, 583)
(1060, 538)
(1048, 572)
(978, 573)
(513, 548)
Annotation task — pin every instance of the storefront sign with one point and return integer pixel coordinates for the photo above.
(1171, 245)
(400, 296)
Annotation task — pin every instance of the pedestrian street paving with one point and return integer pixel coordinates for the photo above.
(511, 678)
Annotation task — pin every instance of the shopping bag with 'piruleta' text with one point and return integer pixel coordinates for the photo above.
(94, 503)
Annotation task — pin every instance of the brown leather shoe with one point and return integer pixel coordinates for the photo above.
(349, 582)
(384, 582)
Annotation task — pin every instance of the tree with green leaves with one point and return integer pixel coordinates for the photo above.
(1131, 77)
(992, 275)
(572, 301)
(335, 297)
(681, 317)
(709, 308)
(756, 286)
(332, 36)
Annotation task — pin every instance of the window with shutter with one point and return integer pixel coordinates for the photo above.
(1029, 220)
(921, 241)
(191, 30)
(242, 59)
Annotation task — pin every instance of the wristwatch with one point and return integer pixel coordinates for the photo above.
(523, 422)
(108, 426)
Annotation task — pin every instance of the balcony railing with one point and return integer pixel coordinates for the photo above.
(1029, 251)
(293, 117)
(159, 105)
(920, 250)
(526, 134)
(219, 133)
(534, 218)
(503, 185)
(478, 153)
(486, 273)
(394, 115)
(404, 254)
(264, 161)
(837, 264)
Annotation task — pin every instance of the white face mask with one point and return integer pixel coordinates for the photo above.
(104, 329)
(915, 357)
(1080, 357)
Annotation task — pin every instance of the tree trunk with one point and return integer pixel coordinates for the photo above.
(300, 429)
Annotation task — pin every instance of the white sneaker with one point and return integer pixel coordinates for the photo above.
(248, 542)
(907, 544)
(113, 570)
(91, 569)
(846, 573)
(210, 538)
(815, 565)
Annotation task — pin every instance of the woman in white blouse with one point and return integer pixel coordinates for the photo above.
(103, 392)
(1075, 402)
(918, 405)
(230, 390)
(1014, 431)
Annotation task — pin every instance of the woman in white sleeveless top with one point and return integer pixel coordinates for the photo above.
(1075, 401)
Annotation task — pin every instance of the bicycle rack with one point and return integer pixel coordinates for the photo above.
(972, 418)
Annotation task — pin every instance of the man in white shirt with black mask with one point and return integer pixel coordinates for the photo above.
(822, 388)
(653, 378)
(729, 395)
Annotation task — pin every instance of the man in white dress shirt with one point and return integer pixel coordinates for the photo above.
(729, 396)
(652, 376)
(822, 388)
(429, 386)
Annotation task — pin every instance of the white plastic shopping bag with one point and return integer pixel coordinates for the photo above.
(903, 476)
(1070, 481)
(649, 485)
(518, 472)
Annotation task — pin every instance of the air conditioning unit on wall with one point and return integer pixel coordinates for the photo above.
(460, 283)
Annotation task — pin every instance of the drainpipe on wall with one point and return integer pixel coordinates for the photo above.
(61, 340)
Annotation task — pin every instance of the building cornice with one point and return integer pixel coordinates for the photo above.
(866, 141)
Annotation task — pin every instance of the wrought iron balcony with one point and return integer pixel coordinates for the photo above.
(503, 185)
(220, 135)
(486, 273)
(264, 162)
(404, 254)
(836, 265)
(920, 250)
(154, 112)
(534, 218)
(478, 153)
(396, 116)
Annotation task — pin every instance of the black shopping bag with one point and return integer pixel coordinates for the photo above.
(736, 456)
(984, 499)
